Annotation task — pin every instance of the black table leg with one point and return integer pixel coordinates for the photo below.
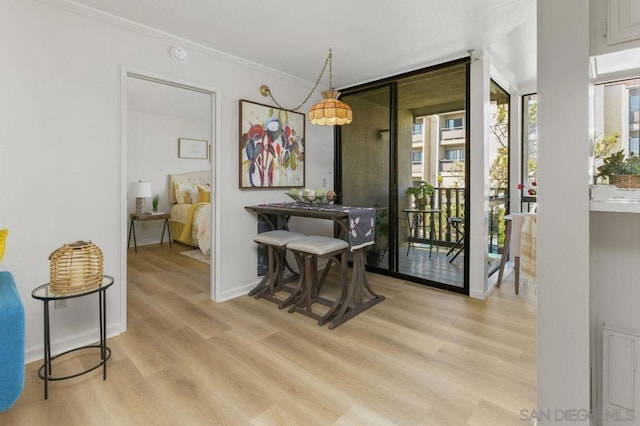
(47, 350)
(132, 230)
(168, 228)
(103, 332)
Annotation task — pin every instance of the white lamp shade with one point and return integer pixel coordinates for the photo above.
(141, 189)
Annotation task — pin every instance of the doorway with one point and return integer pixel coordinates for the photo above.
(156, 112)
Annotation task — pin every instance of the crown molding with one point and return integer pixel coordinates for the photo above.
(171, 39)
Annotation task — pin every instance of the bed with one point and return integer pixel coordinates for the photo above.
(190, 198)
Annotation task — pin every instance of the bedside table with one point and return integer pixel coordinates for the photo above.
(146, 217)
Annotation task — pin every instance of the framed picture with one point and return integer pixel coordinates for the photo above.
(193, 148)
(272, 153)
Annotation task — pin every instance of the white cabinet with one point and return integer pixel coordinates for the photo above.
(620, 381)
(623, 21)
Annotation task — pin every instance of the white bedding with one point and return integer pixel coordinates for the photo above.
(201, 229)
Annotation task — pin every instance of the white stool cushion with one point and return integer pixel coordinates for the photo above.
(277, 238)
(315, 244)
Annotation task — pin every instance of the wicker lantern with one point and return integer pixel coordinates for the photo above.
(75, 266)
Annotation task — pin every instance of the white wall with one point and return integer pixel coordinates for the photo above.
(478, 236)
(60, 145)
(614, 271)
(563, 212)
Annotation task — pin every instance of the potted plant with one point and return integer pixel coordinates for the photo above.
(421, 194)
(154, 201)
(622, 171)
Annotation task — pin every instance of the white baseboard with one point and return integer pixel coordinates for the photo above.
(36, 353)
(237, 292)
(476, 294)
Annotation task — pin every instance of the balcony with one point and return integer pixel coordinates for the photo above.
(451, 166)
(452, 135)
(451, 202)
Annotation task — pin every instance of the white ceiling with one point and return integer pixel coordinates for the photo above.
(371, 39)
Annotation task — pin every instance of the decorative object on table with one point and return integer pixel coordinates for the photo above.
(193, 148)
(310, 196)
(154, 202)
(3, 242)
(328, 112)
(272, 153)
(621, 170)
(141, 190)
(421, 194)
(75, 266)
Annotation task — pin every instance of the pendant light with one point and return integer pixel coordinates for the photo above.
(329, 111)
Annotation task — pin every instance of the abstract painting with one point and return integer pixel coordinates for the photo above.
(271, 147)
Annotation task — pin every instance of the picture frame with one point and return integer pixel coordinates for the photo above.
(193, 148)
(271, 147)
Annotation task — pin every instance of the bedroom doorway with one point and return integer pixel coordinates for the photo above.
(168, 130)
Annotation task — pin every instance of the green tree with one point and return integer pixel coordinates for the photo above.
(499, 128)
(605, 146)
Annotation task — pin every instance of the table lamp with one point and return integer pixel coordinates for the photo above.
(141, 190)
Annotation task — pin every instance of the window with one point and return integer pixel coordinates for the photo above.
(417, 157)
(529, 140)
(616, 120)
(454, 154)
(417, 129)
(634, 120)
(453, 123)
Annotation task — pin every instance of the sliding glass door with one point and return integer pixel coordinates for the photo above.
(366, 163)
(409, 133)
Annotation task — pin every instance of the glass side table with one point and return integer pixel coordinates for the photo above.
(46, 294)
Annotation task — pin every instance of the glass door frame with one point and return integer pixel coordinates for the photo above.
(392, 84)
(506, 199)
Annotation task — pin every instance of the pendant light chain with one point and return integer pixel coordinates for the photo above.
(315, 86)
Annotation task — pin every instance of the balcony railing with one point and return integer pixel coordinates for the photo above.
(451, 203)
(451, 165)
(452, 135)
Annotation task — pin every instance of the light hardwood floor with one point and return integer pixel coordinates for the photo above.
(420, 357)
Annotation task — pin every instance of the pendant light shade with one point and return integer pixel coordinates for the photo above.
(330, 111)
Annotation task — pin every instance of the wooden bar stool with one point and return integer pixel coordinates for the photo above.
(308, 250)
(273, 281)
(511, 247)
